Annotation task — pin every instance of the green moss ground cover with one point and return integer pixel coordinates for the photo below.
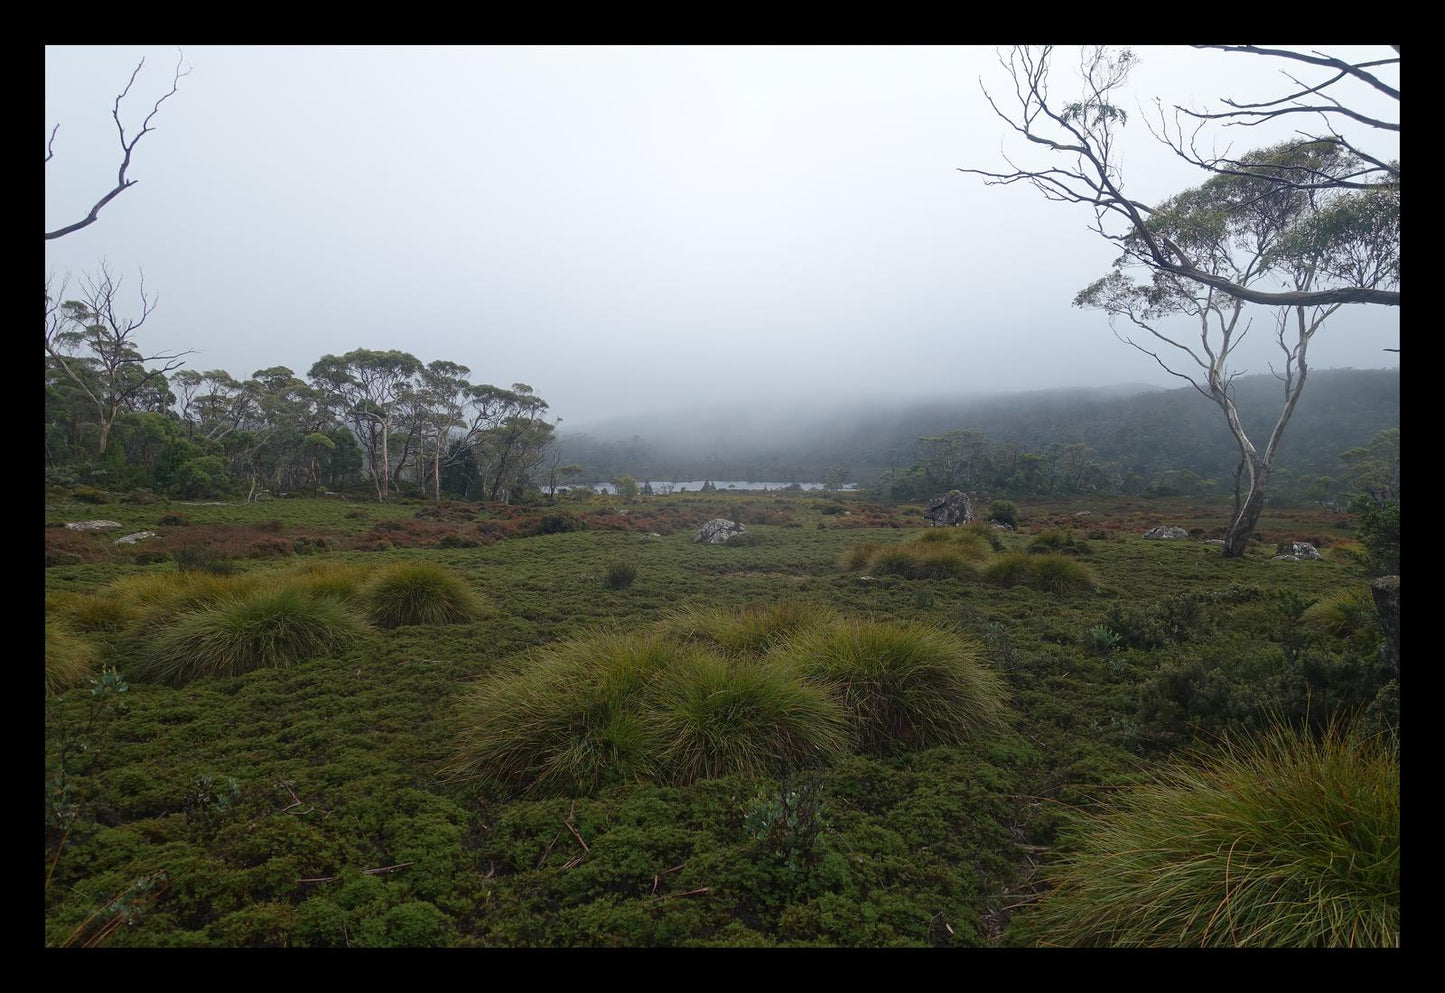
(305, 805)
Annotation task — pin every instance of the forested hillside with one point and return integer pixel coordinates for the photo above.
(1134, 441)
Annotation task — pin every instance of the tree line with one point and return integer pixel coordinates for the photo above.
(383, 419)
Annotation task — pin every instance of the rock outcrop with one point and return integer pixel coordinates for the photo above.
(1166, 531)
(131, 539)
(1298, 551)
(718, 530)
(94, 525)
(951, 508)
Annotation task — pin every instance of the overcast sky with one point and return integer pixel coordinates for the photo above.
(623, 229)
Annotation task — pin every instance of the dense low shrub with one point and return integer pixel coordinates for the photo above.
(1004, 512)
(259, 630)
(1282, 840)
(89, 494)
(419, 593)
(902, 686)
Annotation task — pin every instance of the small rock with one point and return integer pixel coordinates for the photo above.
(718, 530)
(94, 525)
(1298, 551)
(131, 539)
(1000, 525)
(1214, 541)
(1166, 531)
(1083, 513)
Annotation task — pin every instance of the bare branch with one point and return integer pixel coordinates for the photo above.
(122, 183)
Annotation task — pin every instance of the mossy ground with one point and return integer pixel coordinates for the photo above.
(342, 833)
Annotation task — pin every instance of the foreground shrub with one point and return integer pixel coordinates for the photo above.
(755, 629)
(260, 630)
(715, 716)
(419, 593)
(568, 718)
(902, 686)
(69, 659)
(1283, 840)
(619, 575)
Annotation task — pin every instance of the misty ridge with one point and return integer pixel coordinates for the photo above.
(1146, 430)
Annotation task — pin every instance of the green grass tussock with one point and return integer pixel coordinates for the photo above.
(619, 575)
(344, 580)
(1342, 614)
(902, 685)
(259, 630)
(1283, 840)
(568, 718)
(163, 593)
(1060, 574)
(69, 659)
(714, 716)
(754, 629)
(419, 593)
(923, 561)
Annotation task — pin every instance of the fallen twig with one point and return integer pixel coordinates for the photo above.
(577, 836)
(549, 849)
(379, 871)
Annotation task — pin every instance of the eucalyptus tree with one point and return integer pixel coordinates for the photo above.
(1080, 139)
(1250, 231)
(367, 388)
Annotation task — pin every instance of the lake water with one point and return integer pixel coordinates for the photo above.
(660, 487)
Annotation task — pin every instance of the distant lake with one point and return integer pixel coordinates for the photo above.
(659, 487)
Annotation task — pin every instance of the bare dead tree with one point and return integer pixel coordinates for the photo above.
(93, 346)
(127, 147)
(1082, 136)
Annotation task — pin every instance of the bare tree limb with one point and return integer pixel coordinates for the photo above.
(127, 147)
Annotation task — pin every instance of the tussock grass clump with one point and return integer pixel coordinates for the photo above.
(933, 560)
(160, 593)
(966, 537)
(755, 629)
(69, 659)
(419, 593)
(619, 575)
(1048, 572)
(1012, 569)
(857, 557)
(1060, 574)
(902, 686)
(345, 581)
(569, 718)
(715, 716)
(255, 631)
(102, 613)
(1343, 614)
(1283, 840)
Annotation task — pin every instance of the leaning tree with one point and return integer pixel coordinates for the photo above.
(1303, 227)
